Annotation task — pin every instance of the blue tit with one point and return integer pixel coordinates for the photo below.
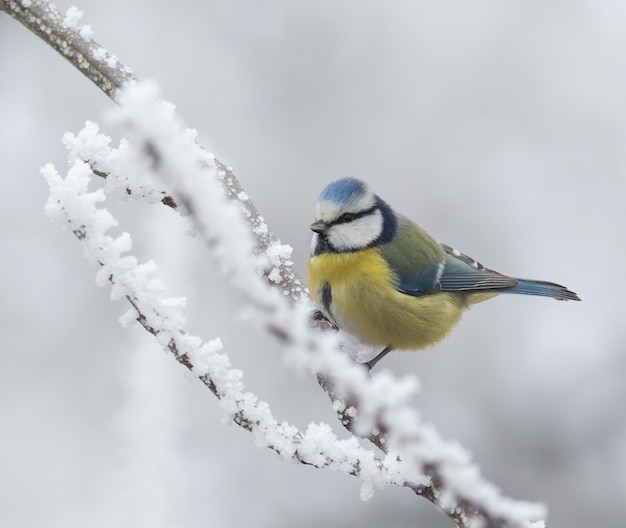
(379, 276)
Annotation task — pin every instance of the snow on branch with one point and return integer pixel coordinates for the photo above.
(74, 207)
(203, 188)
(72, 40)
(75, 42)
(374, 408)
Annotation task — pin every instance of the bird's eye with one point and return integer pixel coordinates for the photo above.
(347, 217)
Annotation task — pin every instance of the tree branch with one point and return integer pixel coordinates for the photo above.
(377, 408)
(72, 42)
(111, 76)
(365, 409)
(76, 209)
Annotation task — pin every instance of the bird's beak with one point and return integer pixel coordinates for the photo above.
(319, 227)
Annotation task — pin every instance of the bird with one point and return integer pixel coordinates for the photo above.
(379, 276)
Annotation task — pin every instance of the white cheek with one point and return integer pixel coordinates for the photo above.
(358, 233)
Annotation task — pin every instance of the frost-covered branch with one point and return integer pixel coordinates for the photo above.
(71, 204)
(376, 408)
(74, 42)
(159, 148)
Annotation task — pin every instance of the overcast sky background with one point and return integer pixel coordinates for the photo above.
(499, 127)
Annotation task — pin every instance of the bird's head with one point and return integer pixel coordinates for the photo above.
(350, 217)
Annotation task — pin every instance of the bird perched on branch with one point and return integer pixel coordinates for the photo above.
(379, 276)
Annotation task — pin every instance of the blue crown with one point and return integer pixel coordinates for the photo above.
(343, 190)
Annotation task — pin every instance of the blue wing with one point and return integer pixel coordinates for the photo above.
(423, 283)
(460, 273)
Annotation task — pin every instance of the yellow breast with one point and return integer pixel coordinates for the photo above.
(357, 290)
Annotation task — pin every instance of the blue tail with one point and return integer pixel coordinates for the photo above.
(543, 288)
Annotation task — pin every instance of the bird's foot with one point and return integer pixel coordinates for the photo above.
(369, 365)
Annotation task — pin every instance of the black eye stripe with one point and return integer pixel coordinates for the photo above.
(354, 216)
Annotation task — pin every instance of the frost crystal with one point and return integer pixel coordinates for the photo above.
(279, 253)
(72, 16)
(86, 32)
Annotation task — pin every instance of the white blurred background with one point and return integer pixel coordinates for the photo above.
(499, 127)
